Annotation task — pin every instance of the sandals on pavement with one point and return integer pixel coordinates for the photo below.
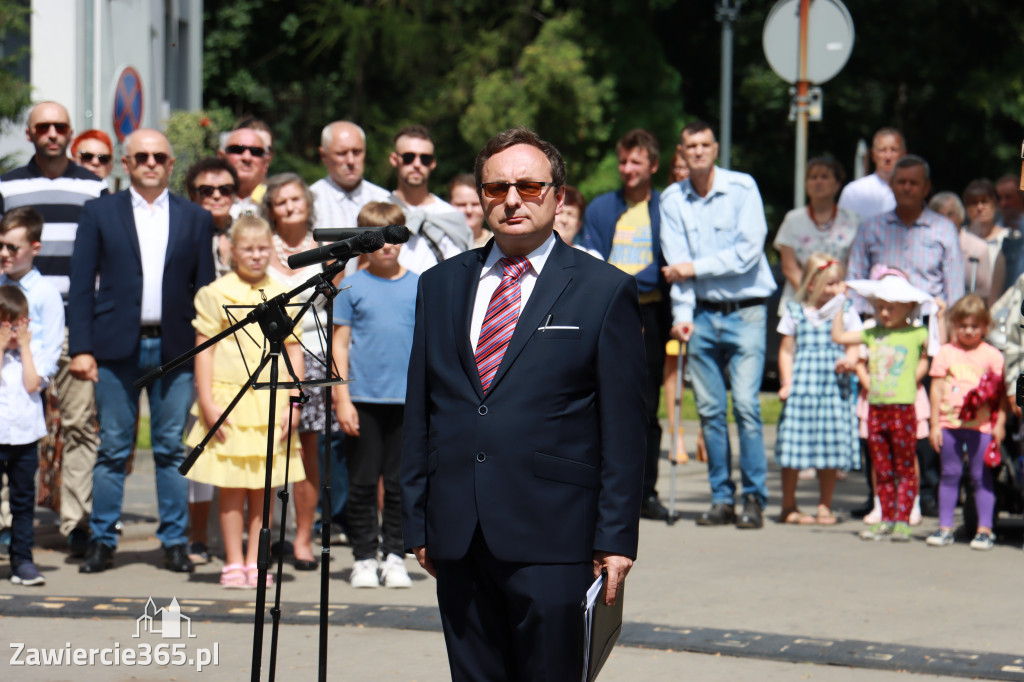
(233, 577)
(825, 516)
(252, 572)
(796, 517)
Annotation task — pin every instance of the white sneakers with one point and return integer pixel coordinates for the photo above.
(392, 573)
(364, 573)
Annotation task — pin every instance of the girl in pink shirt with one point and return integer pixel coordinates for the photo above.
(962, 423)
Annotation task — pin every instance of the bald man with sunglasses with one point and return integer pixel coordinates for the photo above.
(140, 257)
(57, 188)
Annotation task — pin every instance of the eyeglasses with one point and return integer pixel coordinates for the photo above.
(526, 188)
(13, 248)
(87, 157)
(43, 128)
(425, 159)
(240, 149)
(206, 191)
(143, 157)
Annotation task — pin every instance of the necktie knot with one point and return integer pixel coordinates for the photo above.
(514, 266)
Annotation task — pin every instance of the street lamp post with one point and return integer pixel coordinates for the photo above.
(726, 11)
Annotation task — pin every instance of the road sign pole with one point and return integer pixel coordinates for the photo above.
(726, 11)
(800, 166)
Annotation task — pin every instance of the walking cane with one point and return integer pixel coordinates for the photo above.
(678, 451)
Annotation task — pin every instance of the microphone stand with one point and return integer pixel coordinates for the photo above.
(276, 326)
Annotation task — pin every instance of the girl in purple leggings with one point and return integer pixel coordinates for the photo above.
(965, 423)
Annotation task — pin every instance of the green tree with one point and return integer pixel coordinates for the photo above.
(15, 93)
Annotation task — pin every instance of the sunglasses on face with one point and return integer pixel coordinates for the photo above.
(206, 191)
(12, 248)
(43, 128)
(240, 149)
(143, 157)
(87, 157)
(528, 188)
(425, 159)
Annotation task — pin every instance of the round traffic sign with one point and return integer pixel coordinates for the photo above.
(127, 103)
(829, 39)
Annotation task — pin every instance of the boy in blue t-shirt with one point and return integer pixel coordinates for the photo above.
(374, 319)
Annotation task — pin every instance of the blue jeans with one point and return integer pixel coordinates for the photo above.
(117, 403)
(731, 343)
(20, 462)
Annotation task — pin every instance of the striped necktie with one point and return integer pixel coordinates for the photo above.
(500, 319)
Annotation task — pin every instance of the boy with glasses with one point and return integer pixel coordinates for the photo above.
(57, 188)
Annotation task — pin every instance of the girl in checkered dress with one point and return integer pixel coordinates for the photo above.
(819, 424)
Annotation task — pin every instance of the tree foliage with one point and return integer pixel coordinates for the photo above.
(15, 93)
(582, 72)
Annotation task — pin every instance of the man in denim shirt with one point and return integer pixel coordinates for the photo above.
(712, 234)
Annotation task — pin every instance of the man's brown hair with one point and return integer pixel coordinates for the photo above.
(638, 137)
(512, 137)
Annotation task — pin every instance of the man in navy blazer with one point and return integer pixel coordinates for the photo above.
(517, 496)
(140, 257)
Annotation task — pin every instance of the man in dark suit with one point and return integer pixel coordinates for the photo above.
(524, 444)
(140, 256)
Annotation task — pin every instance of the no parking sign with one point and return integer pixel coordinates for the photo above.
(127, 103)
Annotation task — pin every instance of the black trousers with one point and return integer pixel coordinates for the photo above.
(508, 621)
(656, 326)
(375, 453)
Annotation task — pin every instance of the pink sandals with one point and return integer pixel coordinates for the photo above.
(233, 577)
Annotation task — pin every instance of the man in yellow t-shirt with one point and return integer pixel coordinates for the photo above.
(623, 226)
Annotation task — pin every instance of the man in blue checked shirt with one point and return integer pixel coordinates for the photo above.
(712, 233)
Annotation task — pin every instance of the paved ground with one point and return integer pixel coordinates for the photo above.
(783, 603)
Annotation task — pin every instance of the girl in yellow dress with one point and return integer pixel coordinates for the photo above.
(235, 458)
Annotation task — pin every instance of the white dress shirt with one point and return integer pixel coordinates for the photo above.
(490, 278)
(152, 225)
(23, 420)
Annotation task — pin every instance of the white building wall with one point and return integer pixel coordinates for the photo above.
(79, 47)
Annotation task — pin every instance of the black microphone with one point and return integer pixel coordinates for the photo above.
(393, 234)
(367, 242)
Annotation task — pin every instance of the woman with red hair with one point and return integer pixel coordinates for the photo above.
(92, 150)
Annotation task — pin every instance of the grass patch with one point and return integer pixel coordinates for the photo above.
(771, 407)
(142, 441)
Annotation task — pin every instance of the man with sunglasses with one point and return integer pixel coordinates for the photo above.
(439, 231)
(57, 188)
(523, 452)
(248, 152)
(140, 257)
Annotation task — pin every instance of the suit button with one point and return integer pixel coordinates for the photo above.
(482, 410)
(480, 457)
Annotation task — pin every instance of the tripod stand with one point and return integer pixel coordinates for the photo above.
(276, 325)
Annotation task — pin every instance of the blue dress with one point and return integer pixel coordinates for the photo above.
(818, 428)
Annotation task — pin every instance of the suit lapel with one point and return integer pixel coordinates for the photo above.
(464, 288)
(127, 216)
(553, 279)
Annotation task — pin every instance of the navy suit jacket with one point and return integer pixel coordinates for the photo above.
(104, 315)
(550, 461)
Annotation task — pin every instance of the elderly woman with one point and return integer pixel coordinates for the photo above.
(288, 207)
(93, 151)
(820, 227)
(977, 266)
(212, 183)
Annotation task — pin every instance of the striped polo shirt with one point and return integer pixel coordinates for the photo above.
(60, 202)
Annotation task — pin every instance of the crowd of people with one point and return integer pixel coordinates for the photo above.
(99, 288)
